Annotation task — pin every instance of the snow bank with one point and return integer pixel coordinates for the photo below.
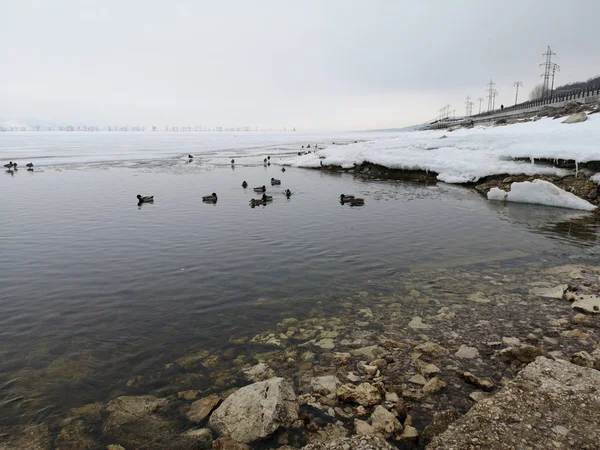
(596, 177)
(466, 155)
(542, 193)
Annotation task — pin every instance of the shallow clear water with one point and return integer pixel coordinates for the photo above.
(88, 276)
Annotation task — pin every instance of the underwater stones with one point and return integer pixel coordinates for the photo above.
(426, 369)
(202, 438)
(256, 411)
(371, 352)
(482, 383)
(91, 412)
(259, 372)
(363, 428)
(324, 385)
(478, 297)
(133, 421)
(201, 409)
(342, 358)
(418, 379)
(188, 395)
(417, 324)
(432, 349)
(434, 385)
(384, 422)
(550, 292)
(390, 344)
(325, 344)
(466, 352)
(225, 443)
(583, 359)
(588, 304)
(73, 437)
(28, 437)
(269, 339)
(439, 423)
(370, 371)
(364, 394)
(478, 396)
(190, 360)
(524, 354)
(512, 341)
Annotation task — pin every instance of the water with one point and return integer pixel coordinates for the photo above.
(95, 289)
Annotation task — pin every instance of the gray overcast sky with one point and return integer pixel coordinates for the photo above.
(313, 64)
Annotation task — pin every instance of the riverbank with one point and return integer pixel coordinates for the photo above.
(399, 360)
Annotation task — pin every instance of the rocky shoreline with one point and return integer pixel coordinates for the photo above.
(390, 367)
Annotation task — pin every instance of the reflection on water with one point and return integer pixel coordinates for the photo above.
(95, 289)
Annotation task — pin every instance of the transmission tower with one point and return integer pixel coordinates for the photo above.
(494, 100)
(480, 99)
(547, 69)
(555, 68)
(491, 94)
(517, 84)
(468, 107)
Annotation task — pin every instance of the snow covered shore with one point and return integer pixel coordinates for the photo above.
(467, 155)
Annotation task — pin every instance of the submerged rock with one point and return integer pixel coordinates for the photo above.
(589, 304)
(225, 443)
(384, 422)
(256, 411)
(201, 438)
(259, 372)
(550, 404)
(439, 423)
(417, 324)
(466, 352)
(352, 443)
(550, 292)
(201, 409)
(73, 437)
(28, 437)
(434, 385)
(432, 349)
(324, 385)
(482, 383)
(364, 394)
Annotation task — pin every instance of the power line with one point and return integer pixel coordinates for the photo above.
(480, 99)
(517, 84)
(547, 69)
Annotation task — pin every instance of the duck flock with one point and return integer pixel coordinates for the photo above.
(11, 167)
(265, 198)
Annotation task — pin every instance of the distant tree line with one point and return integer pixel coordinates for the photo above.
(594, 81)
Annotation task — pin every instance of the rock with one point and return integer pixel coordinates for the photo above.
(400, 408)
(306, 357)
(326, 344)
(226, 443)
(390, 344)
(115, 447)
(353, 377)
(27, 437)
(202, 438)
(259, 372)
(371, 352)
(418, 379)
(526, 412)
(512, 341)
(576, 118)
(256, 411)
(477, 396)
(201, 409)
(412, 394)
(363, 428)
(134, 421)
(579, 319)
(371, 371)
(417, 324)
(410, 434)
(524, 354)
(478, 297)
(385, 422)
(426, 369)
(324, 385)
(391, 397)
(570, 296)
(465, 352)
(589, 304)
(341, 359)
(352, 443)
(364, 394)
(188, 395)
(432, 349)
(550, 292)
(73, 437)
(434, 385)
(583, 359)
(439, 423)
(482, 383)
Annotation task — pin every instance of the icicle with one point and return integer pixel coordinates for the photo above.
(532, 160)
(576, 168)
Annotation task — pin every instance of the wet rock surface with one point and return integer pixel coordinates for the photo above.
(550, 404)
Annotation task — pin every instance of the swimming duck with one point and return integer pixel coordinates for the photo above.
(274, 181)
(191, 156)
(145, 199)
(265, 160)
(29, 165)
(210, 198)
(346, 198)
(267, 198)
(357, 202)
(260, 189)
(9, 165)
(288, 193)
(269, 158)
(233, 161)
(244, 185)
(257, 202)
(283, 169)
(30, 169)
(15, 166)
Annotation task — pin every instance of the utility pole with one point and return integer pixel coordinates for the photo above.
(555, 68)
(468, 107)
(491, 95)
(480, 99)
(547, 69)
(517, 84)
(494, 102)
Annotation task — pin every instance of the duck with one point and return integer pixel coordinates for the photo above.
(232, 161)
(275, 181)
(265, 160)
(30, 165)
(288, 193)
(145, 199)
(244, 185)
(269, 158)
(267, 198)
(30, 169)
(260, 189)
(15, 166)
(346, 198)
(257, 202)
(210, 198)
(191, 156)
(9, 165)
(357, 202)
(283, 169)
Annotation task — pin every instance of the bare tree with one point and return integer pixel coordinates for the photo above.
(537, 92)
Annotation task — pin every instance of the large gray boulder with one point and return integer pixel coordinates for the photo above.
(550, 404)
(256, 411)
(576, 118)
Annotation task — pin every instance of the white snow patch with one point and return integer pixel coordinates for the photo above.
(542, 193)
(596, 177)
(466, 155)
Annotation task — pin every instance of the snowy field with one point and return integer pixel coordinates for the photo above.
(466, 155)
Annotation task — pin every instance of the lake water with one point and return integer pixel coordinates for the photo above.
(95, 289)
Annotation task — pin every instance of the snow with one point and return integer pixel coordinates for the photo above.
(596, 177)
(542, 193)
(466, 155)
